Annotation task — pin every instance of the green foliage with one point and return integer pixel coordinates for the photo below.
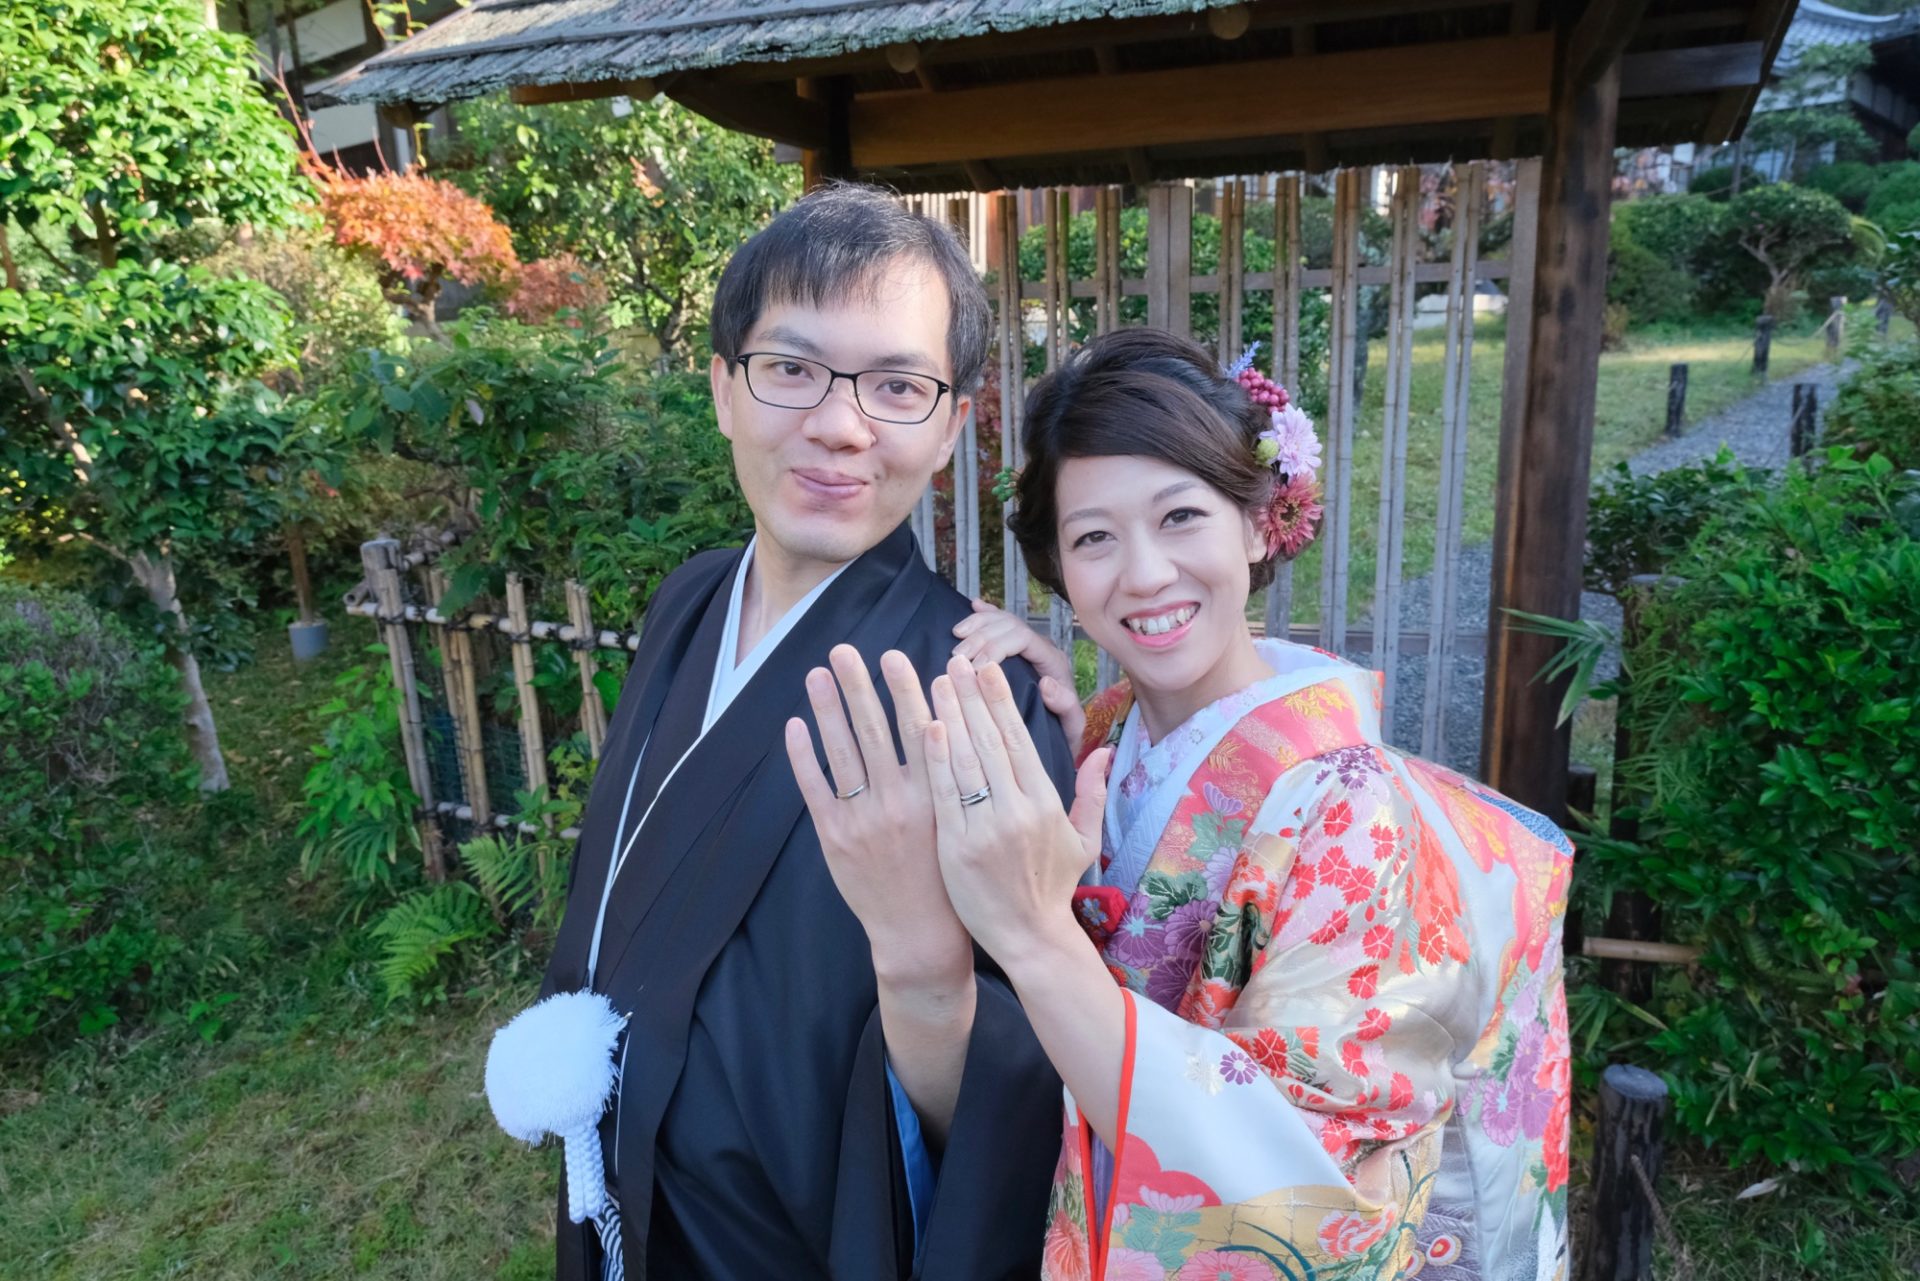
(1848, 181)
(1681, 230)
(1651, 288)
(1316, 232)
(1641, 524)
(334, 296)
(1900, 273)
(577, 468)
(424, 933)
(1877, 410)
(360, 803)
(121, 119)
(133, 413)
(89, 745)
(1778, 735)
(1895, 202)
(654, 201)
(1786, 229)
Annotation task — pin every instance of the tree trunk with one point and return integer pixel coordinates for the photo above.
(155, 575)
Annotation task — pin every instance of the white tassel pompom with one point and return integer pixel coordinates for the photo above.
(551, 1071)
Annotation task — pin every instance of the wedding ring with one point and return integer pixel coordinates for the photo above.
(847, 796)
(974, 798)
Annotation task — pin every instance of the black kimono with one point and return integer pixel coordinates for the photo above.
(754, 1135)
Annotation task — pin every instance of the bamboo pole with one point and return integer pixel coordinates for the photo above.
(533, 750)
(1336, 540)
(1106, 311)
(1013, 364)
(1286, 356)
(593, 711)
(966, 508)
(381, 559)
(1390, 539)
(1469, 208)
(463, 702)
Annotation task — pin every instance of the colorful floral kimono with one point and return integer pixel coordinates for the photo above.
(1346, 1040)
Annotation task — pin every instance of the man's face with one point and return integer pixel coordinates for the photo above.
(828, 483)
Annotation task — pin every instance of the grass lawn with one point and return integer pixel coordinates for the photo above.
(1630, 413)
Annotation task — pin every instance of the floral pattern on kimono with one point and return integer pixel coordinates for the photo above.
(1346, 1042)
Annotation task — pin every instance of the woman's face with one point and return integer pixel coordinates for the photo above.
(1155, 562)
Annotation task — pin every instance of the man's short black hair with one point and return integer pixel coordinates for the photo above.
(833, 242)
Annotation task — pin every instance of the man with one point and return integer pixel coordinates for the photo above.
(775, 1114)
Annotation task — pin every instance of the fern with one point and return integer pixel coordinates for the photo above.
(507, 871)
(424, 931)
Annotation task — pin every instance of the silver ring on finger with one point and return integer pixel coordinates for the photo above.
(847, 796)
(974, 798)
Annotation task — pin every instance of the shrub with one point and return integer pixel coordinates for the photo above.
(1848, 181)
(335, 297)
(1877, 410)
(1640, 524)
(1895, 201)
(1651, 288)
(1778, 729)
(1680, 229)
(90, 746)
(1787, 230)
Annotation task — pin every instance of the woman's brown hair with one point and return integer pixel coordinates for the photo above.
(1137, 392)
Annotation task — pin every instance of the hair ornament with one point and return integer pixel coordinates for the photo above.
(1290, 447)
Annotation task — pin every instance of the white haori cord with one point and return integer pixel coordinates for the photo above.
(551, 1071)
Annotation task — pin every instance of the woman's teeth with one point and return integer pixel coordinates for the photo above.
(1162, 623)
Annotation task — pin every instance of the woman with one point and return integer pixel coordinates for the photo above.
(1321, 1026)
(1322, 1029)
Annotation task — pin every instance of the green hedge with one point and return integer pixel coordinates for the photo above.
(1877, 409)
(1778, 725)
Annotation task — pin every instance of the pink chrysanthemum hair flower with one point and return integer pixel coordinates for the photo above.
(1289, 446)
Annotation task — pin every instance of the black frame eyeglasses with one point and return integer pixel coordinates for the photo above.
(815, 380)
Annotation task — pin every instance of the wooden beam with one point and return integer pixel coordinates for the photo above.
(1521, 20)
(1452, 80)
(642, 90)
(1599, 38)
(1314, 144)
(1668, 73)
(1546, 450)
(827, 158)
(769, 111)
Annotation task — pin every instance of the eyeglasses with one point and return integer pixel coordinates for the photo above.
(884, 395)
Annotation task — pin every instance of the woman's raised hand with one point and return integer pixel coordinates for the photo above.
(992, 635)
(1010, 856)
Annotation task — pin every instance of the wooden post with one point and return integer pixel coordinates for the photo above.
(585, 642)
(1806, 403)
(1050, 275)
(1336, 541)
(463, 704)
(1170, 258)
(1882, 315)
(381, 558)
(1762, 344)
(835, 160)
(1450, 517)
(533, 748)
(1059, 295)
(1390, 532)
(1547, 443)
(1676, 400)
(1233, 213)
(302, 583)
(1628, 1149)
(1836, 326)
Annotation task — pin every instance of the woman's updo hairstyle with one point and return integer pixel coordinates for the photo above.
(1137, 392)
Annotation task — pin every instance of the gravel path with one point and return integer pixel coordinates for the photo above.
(1755, 429)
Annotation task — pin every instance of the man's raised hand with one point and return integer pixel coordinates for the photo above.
(875, 816)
